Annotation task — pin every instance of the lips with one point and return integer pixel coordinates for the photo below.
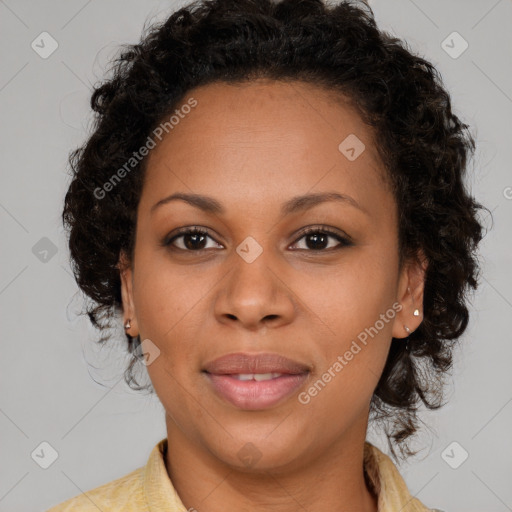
(240, 363)
(255, 381)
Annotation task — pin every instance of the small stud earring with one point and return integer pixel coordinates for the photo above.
(407, 329)
(416, 311)
(127, 325)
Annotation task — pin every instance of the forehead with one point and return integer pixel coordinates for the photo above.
(262, 139)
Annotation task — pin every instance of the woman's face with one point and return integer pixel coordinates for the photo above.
(255, 283)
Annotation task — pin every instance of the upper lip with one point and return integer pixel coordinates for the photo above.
(254, 363)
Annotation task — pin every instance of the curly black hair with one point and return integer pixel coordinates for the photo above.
(424, 146)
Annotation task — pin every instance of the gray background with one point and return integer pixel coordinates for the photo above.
(49, 363)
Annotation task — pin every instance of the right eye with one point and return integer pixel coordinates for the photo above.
(191, 240)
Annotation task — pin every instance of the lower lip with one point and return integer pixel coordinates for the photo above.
(255, 395)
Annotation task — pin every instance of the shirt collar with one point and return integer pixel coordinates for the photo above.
(382, 474)
(388, 484)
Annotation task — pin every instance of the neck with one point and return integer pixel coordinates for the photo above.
(333, 480)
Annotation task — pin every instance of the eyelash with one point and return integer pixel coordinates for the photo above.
(344, 242)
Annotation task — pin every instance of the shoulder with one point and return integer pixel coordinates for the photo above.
(388, 484)
(123, 494)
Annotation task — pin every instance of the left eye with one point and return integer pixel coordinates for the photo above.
(318, 238)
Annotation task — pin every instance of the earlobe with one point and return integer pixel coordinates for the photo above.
(126, 277)
(411, 289)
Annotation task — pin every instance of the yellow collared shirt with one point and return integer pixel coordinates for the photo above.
(149, 488)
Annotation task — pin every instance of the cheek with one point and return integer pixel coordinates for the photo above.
(353, 318)
(165, 294)
(351, 355)
(172, 306)
(180, 402)
(352, 296)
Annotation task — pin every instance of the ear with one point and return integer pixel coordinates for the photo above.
(126, 275)
(411, 286)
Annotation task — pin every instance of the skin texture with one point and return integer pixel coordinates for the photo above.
(252, 147)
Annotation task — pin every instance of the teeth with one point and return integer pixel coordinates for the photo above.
(244, 376)
(265, 376)
(256, 376)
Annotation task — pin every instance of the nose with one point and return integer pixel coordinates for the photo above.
(255, 295)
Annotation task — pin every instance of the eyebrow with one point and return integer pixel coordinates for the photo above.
(293, 205)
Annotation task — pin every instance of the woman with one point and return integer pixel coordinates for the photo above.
(272, 202)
